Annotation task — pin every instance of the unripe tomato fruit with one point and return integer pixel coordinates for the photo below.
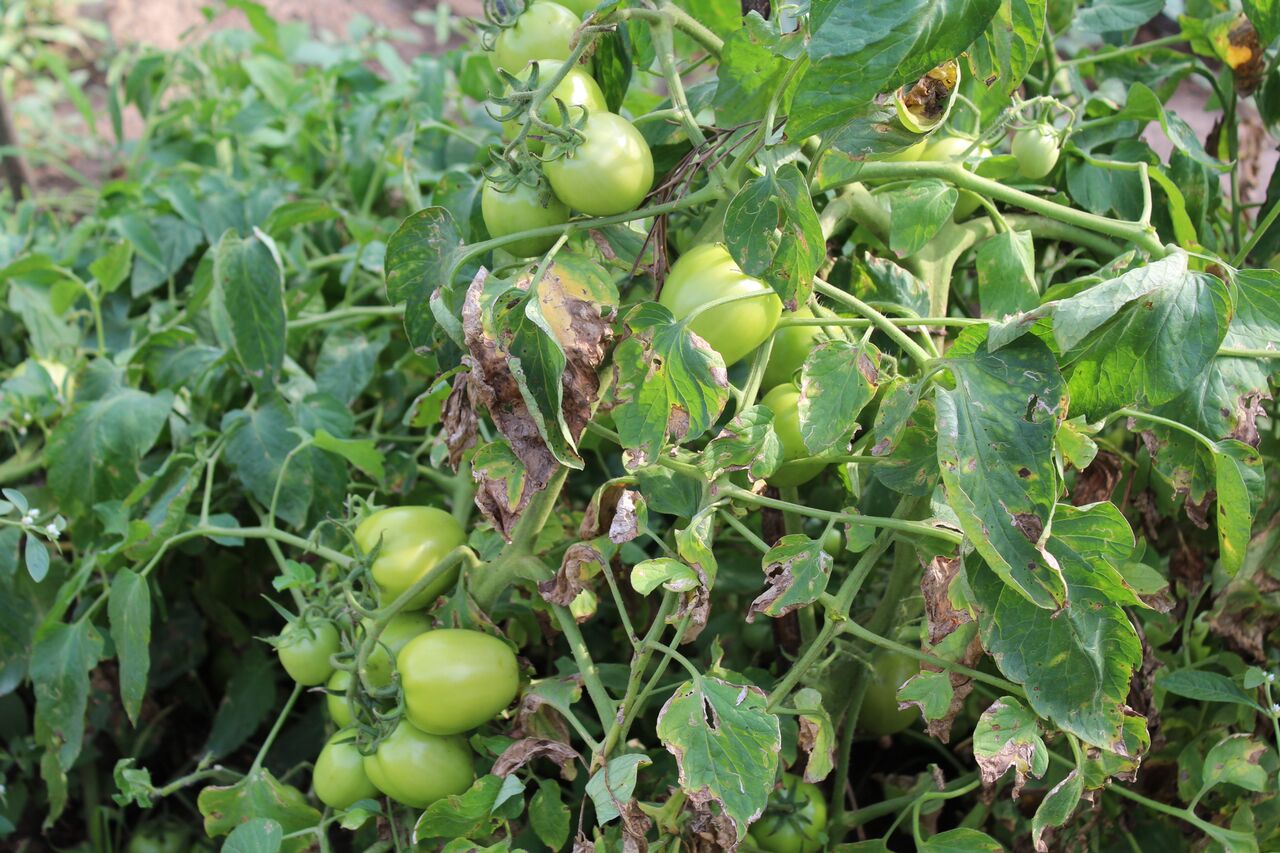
(948, 148)
(910, 154)
(784, 402)
(414, 539)
(1036, 149)
(402, 628)
(579, 7)
(520, 209)
(609, 173)
(455, 680)
(880, 714)
(795, 820)
(708, 272)
(791, 345)
(543, 31)
(416, 769)
(833, 542)
(304, 651)
(339, 777)
(335, 700)
(577, 90)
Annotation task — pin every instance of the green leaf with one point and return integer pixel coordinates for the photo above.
(726, 745)
(1002, 55)
(614, 784)
(906, 440)
(1235, 465)
(94, 454)
(1203, 686)
(466, 814)
(1110, 16)
(860, 48)
(916, 212)
(258, 795)
(1076, 662)
(248, 306)
(747, 443)
(250, 695)
(1265, 15)
(60, 665)
(754, 59)
(111, 268)
(36, 556)
(129, 610)
(648, 575)
(161, 248)
(670, 384)
(772, 231)
(258, 443)
(796, 570)
(837, 380)
(961, 840)
(360, 452)
(995, 451)
(1057, 807)
(1007, 274)
(1236, 760)
(817, 734)
(260, 835)
(347, 362)
(420, 257)
(1007, 737)
(548, 815)
(931, 692)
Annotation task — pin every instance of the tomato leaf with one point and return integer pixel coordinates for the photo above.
(59, 670)
(916, 212)
(1002, 55)
(796, 570)
(961, 840)
(772, 231)
(836, 381)
(548, 815)
(1056, 808)
(1236, 760)
(1006, 274)
(129, 610)
(248, 306)
(258, 796)
(613, 785)
(421, 258)
(747, 443)
(1006, 738)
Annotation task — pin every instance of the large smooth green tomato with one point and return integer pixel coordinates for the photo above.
(152, 839)
(339, 777)
(520, 209)
(304, 651)
(455, 680)
(784, 402)
(791, 345)
(416, 769)
(1036, 149)
(414, 539)
(880, 714)
(795, 820)
(542, 31)
(708, 272)
(609, 173)
(577, 90)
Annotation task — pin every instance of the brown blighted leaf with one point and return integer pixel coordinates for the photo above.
(935, 586)
(504, 485)
(523, 751)
(940, 693)
(615, 510)
(696, 604)
(1141, 698)
(635, 823)
(796, 571)
(1007, 737)
(1248, 409)
(711, 831)
(582, 844)
(458, 421)
(1247, 612)
(582, 561)
(539, 713)
(1096, 482)
(817, 735)
(1243, 54)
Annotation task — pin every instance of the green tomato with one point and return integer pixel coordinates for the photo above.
(833, 542)
(521, 209)
(335, 699)
(791, 345)
(880, 714)
(609, 173)
(402, 628)
(162, 839)
(542, 31)
(339, 776)
(414, 538)
(455, 680)
(416, 769)
(910, 154)
(579, 7)
(708, 272)
(947, 148)
(578, 90)
(795, 820)
(304, 651)
(784, 402)
(1036, 149)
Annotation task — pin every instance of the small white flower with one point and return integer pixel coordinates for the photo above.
(22, 431)
(51, 530)
(1271, 678)
(26, 417)
(1275, 708)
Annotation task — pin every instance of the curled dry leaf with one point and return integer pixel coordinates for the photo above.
(572, 576)
(458, 421)
(523, 751)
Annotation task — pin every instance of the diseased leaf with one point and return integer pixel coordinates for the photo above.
(916, 212)
(548, 815)
(612, 785)
(836, 381)
(420, 256)
(1002, 55)
(1006, 274)
(258, 796)
(747, 443)
(1236, 760)
(817, 734)
(961, 840)
(1056, 808)
(772, 232)
(796, 570)
(1007, 737)
(248, 306)
(995, 451)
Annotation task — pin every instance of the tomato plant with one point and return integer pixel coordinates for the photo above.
(644, 425)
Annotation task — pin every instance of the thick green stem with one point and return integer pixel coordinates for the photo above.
(880, 321)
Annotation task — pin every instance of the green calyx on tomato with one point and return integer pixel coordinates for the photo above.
(706, 273)
(609, 171)
(795, 820)
(304, 649)
(1036, 149)
(455, 680)
(335, 700)
(927, 102)
(414, 539)
(791, 345)
(416, 769)
(578, 91)
(517, 208)
(339, 777)
(544, 30)
(880, 714)
(784, 402)
(400, 629)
